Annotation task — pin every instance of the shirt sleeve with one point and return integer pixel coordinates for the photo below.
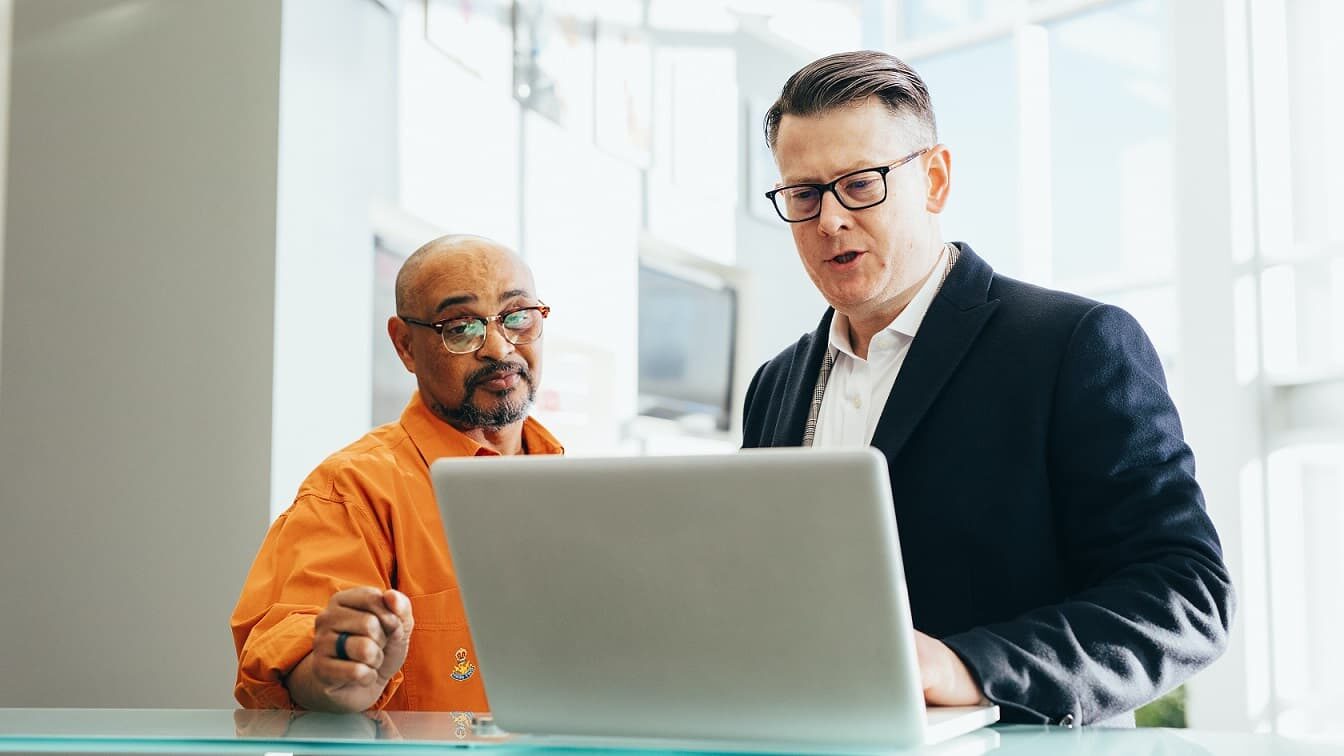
(1153, 598)
(321, 545)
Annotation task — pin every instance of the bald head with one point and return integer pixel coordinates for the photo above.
(455, 257)
(485, 389)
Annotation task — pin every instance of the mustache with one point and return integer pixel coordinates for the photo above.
(498, 370)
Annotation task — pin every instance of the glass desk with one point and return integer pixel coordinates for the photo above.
(271, 733)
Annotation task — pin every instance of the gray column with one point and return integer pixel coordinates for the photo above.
(139, 280)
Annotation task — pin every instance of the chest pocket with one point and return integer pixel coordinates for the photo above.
(442, 670)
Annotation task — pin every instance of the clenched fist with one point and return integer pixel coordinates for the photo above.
(359, 641)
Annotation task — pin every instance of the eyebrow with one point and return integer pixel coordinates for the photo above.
(862, 165)
(469, 298)
(455, 300)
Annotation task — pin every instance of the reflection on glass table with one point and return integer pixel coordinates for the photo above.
(274, 732)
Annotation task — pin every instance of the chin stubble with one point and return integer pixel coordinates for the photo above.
(470, 416)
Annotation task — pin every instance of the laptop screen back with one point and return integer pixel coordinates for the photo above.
(757, 595)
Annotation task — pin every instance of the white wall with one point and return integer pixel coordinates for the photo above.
(338, 160)
(138, 280)
(1210, 149)
(458, 135)
(781, 302)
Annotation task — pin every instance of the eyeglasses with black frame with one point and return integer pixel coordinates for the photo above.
(466, 334)
(857, 190)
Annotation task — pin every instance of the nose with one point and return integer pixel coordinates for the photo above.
(834, 216)
(496, 347)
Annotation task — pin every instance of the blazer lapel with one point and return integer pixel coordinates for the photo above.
(953, 322)
(801, 381)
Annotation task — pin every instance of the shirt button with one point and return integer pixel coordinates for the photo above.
(858, 403)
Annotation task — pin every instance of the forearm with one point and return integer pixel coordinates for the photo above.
(1107, 650)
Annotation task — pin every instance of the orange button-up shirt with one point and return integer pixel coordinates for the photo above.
(367, 516)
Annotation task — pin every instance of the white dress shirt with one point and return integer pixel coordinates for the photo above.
(857, 390)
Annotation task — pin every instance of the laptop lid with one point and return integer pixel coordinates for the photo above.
(757, 596)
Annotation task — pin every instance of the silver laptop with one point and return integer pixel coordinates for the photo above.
(741, 600)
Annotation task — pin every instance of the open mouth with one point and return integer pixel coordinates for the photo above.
(845, 258)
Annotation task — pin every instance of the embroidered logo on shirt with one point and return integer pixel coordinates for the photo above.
(464, 668)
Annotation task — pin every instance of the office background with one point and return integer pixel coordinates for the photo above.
(204, 202)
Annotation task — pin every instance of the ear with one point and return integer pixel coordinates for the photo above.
(939, 178)
(400, 333)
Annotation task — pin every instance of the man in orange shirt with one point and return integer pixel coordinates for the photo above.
(358, 567)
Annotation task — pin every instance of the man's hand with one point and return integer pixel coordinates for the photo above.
(378, 625)
(945, 679)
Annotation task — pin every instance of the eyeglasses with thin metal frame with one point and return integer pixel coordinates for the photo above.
(856, 190)
(466, 334)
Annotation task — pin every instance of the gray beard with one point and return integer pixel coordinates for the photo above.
(469, 416)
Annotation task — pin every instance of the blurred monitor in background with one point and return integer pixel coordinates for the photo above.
(686, 339)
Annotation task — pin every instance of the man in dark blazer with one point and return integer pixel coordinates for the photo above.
(1059, 559)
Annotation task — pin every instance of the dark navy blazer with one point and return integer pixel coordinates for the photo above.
(1052, 530)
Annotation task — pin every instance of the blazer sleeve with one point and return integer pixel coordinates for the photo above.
(1150, 597)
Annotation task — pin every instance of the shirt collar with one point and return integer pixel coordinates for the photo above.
(436, 439)
(906, 323)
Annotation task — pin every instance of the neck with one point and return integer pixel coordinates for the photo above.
(506, 440)
(863, 326)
